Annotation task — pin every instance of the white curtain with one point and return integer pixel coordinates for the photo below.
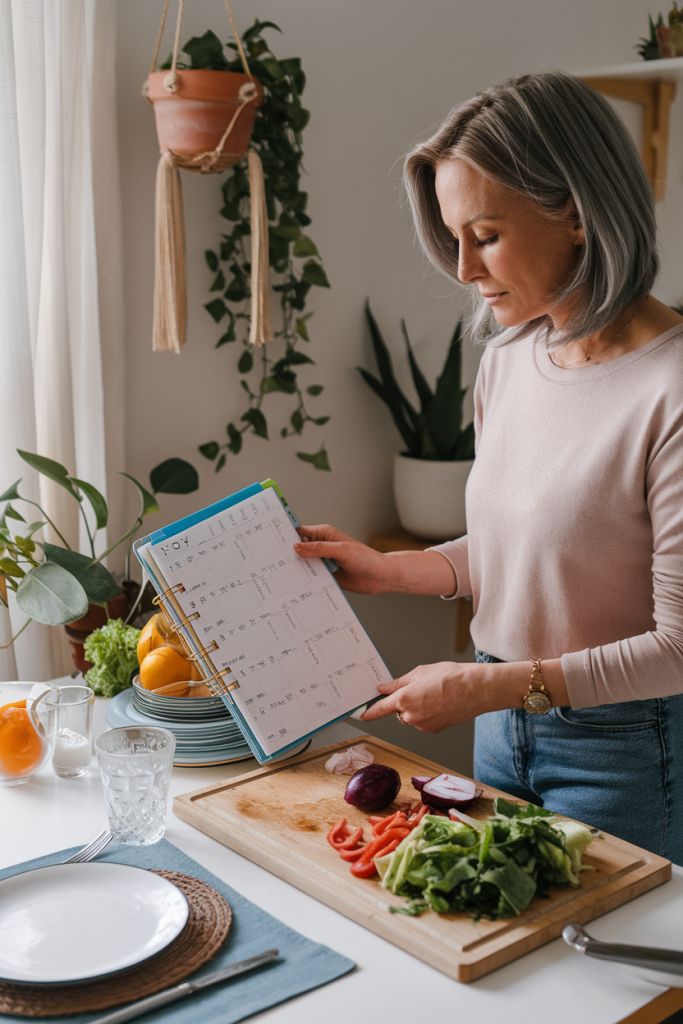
(61, 327)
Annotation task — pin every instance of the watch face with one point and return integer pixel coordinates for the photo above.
(537, 703)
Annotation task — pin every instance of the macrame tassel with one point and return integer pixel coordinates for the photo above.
(261, 330)
(170, 292)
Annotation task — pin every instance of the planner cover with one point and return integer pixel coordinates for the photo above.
(271, 632)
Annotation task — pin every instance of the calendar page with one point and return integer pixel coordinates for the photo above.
(281, 623)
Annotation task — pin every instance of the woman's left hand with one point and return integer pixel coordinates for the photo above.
(433, 697)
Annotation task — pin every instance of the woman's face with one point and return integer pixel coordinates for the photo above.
(507, 246)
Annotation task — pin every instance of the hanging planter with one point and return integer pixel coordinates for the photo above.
(204, 124)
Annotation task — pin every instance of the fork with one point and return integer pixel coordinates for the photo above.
(90, 851)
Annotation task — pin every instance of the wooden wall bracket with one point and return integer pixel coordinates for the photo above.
(656, 99)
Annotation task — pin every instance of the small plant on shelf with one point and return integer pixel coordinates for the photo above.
(434, 431)
(293, 255)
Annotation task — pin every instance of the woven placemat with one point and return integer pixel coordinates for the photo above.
(206, 930)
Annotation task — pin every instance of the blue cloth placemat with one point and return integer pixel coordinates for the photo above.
(302, 965)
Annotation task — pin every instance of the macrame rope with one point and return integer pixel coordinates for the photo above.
(155, 58)
(260, 330)
(239, 41)
(247, 93)
(170, 290)
(172, 77)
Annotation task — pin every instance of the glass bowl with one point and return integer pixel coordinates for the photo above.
(26, 740)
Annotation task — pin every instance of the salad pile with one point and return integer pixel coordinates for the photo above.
(491, 868)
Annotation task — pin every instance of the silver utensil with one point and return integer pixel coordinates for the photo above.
(179, 991)
(669, 961)
(91, 850)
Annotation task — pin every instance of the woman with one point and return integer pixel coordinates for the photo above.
(533, 193)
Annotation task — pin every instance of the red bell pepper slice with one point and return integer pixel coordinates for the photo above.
(364, 867)
(352, 841)
(338, 834)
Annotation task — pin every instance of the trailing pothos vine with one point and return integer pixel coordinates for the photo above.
(293, 255)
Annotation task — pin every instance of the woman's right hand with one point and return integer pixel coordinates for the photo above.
(361, 569)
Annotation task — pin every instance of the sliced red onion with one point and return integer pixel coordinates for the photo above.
(418, 781)
(446, 791)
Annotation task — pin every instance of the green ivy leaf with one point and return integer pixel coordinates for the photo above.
(235, 436)
(301, 329)
(217, 309)
(13, 514)
(149, 502)
(210, 450)
(274, 69)
(305, 246)
(318, 459)
(315, 389)
(236, 291)
(257, 421)
(98, 583)
(52, 470)
(225, 338)
(97, 501)
(212, 260)
(297, 421)
(246, 362)
(51, 594)
(219, 284)
(313, 273)
(220, 463)
(174, 476)
(11, 494)
(321, 420)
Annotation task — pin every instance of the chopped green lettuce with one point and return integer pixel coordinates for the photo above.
(112, 651)
(491, 871)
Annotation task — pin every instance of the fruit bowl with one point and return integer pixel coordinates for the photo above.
(27, 731)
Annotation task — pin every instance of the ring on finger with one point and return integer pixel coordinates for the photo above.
(398, 715)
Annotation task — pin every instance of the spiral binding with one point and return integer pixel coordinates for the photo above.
(219, 688)
(166, 594)
(184, 622)
(203, 652)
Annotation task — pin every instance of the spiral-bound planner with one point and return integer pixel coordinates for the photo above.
(271, 632)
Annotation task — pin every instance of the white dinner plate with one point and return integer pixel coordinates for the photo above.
(71, 922)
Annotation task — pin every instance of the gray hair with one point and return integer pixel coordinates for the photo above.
(550, 138)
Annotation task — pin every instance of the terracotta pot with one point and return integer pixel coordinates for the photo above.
(79, 630)
(191, 121)
(430, 496)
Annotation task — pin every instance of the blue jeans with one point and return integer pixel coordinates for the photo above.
(617, 767)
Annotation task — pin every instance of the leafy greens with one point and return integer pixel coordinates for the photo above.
(492, 869)
(112, 651)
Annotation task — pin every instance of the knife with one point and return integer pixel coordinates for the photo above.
(170, 995)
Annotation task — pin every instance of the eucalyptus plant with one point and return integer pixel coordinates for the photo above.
(434, 431)
(293, 255)
(53, 583)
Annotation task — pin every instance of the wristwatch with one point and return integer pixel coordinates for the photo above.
(536, 701)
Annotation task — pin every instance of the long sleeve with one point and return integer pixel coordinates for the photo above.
(651, 663)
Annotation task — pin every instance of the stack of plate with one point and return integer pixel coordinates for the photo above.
(205, 731)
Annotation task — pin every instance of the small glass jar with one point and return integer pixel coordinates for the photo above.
(73, 733)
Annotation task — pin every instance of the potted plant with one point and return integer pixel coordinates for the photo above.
(293, 257)
(59, 586)
(431, 474)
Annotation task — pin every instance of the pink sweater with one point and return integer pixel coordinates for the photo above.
(575, 517)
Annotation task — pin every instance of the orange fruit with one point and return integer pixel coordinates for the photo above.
(162, 666)
(17, 704)
(20, 746)
(150, 639)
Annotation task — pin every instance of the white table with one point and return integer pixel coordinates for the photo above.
(555, 983)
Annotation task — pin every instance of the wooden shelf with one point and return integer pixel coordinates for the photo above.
(401, 540)
(652, 85)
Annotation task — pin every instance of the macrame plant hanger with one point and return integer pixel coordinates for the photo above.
(170, 289)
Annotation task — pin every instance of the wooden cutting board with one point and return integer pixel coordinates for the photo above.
(279, 816)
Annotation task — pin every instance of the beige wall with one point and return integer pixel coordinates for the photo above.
(380, 74)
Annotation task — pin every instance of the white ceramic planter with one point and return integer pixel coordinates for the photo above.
(430, 496)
